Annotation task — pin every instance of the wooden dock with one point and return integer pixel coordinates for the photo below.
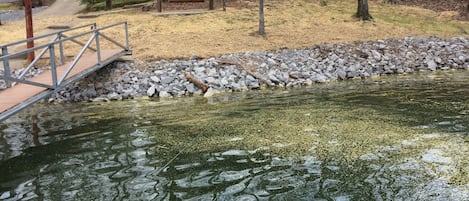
(25, 92)
(20, 92)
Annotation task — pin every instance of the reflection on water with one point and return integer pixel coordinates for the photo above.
(393, 138)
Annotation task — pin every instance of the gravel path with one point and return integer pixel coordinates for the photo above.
(58, 8)
(15, 15)
(62, 8)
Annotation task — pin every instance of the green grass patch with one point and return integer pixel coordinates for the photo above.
(115, 4)
(8, 6)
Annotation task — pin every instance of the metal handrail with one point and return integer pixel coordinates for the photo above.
(43, 51)
(93, 26)
(51, 47)
(57, 41)
(77, 58)
(4, 48)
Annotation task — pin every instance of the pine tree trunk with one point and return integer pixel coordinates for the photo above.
(261, 18)
(362, 10)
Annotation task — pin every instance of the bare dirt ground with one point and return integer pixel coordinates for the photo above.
(59, 8)
(289, 24)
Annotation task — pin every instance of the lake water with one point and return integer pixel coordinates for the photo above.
(392, 138)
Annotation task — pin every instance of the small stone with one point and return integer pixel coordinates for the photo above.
(352, 74)
(432, 65)
(369, 157)
(271, 62)
(212, 73)
(253, 84)
(114, 96)
(100, 99)
(199, 70)
(212, 81)
(283, 66)
(341, 74)
(224, 81)
(166, 80)
(151, 91)
(210, 92)
(164, 94)
(155, 79)
(191, 88)
(272, 76)
(435, 156)
(376, 55)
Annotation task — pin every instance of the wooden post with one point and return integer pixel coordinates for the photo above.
(160, 6)
(261, 18)
(210, 5)
(108, 4)
(29, 28)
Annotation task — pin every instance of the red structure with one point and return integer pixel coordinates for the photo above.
(29, 28)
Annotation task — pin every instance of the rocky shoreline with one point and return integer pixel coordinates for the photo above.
(269, 69)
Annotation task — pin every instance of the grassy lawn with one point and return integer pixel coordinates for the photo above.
(8, 6)
(115, 3)
(289, 24)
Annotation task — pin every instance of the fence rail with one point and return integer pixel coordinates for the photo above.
(16, 97)
(58, 39)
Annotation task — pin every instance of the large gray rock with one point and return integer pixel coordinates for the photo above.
(151, 91)
(432, 65)
(211, 92)
(164, 94)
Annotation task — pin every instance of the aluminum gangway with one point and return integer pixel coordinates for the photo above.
(101, 48)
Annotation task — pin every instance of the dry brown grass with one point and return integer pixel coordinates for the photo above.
(290, 24)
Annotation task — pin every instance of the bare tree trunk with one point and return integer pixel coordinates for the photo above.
(362, 10)
(261, 18)
(466, 8)
(210, 5)
(159, 5)
(108, 4)
(29, 28)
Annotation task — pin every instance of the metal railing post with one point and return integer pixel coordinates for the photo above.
(6, 67)
(53, 66)
(61, 47)
(98, 50)
(39, 56)
(127, 48)
(77, 58)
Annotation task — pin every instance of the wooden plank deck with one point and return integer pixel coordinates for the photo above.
(19, 93)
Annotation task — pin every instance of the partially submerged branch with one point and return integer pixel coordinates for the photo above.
(204, 87)
(244, 67)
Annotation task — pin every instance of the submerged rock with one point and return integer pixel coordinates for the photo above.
(435, 156)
